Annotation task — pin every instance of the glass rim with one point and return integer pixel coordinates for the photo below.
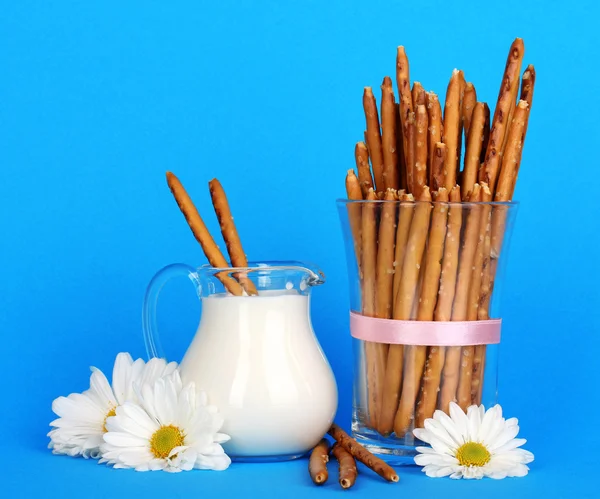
(315, 274)
(345, 201)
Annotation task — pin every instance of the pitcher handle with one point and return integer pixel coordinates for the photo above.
(149, 327)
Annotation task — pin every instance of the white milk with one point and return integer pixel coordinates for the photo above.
(260, 363)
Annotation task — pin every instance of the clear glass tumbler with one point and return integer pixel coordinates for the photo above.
(424, 281)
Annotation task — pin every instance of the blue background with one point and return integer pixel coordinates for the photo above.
(97, 101)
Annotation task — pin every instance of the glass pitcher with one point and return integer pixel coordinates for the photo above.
(256, 357)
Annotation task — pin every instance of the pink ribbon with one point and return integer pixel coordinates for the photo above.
(430, 333)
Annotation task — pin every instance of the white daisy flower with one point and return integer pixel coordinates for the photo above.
(82, 416)
(472, 445)
(171, 429)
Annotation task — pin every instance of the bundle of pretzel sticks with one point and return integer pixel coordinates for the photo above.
(427, 247)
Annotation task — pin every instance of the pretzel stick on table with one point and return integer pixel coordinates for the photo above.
(503, 112)
(388, 135)
(443, 310)
(317, 464)
(420, 171)
(467, 363)
(347, 466)
(468, 107)
(434, 135)
(438, 166)
(361, 156)
(363, 455)
(415, 355)
(374, 137)
(481, 116)
(230, 234)
(407, 290)
(459, 308)
(201, 233)
(452, 113)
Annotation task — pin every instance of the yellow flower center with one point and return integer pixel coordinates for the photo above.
(164, 440)
(473, 454)
(112, 412)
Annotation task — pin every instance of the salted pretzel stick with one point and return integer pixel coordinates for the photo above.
(400, 150)
(210, 248)
(388, 135)
(463, 84)
(374, 137)
(405, 214)
(481, 116)
(347, 466)
(434, 119)
(503, 112)
(354, 193)
(374, 353)
(438, 166)
(385, 256)
(420, 171)
(415, 355)
(418, 95)
(413, 260)
(459, 308)
(230, 234)
(452, 122)
(527, 84)
(406, 110)
(410, 132)
(317, 464)
(363, 455)
(468, 106)
(464, 392)
(361, 156)
(443, 311)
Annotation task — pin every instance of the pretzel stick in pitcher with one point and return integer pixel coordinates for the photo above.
(361, 156)
(503, 112)
(347, 466)
(451, 136)
(388, 135)
(415, 355)
(443, 310)
(420, 171)
(468, 107)
(438, 166)
(459, 309)
(363, 455)
(230, 234)
(481, 115)
(434, 135)
(464, 392)
(210, 248)
(413, 260)
(317, 464)
(374, 137)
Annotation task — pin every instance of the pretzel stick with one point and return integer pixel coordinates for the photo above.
(388, 135)
(415, 355)
(468, 107)
(353, 192)
(409, 152)
(201, 233)
(443, 311)
(459, 308)
(502, 113)
(230, 234)
(413, 259)
(481, 115)
(361, 156)
(374, 137)
(464, 392)
(527, 84)
(437, 167)
(451, 136)
(363, 455)
(418, 95)
(406, 110)
(405, 214)
(385, 256)
(347, 465)
(434, 119)
(317, 464)
(400, 150)
(463, 84)
(420, 171)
